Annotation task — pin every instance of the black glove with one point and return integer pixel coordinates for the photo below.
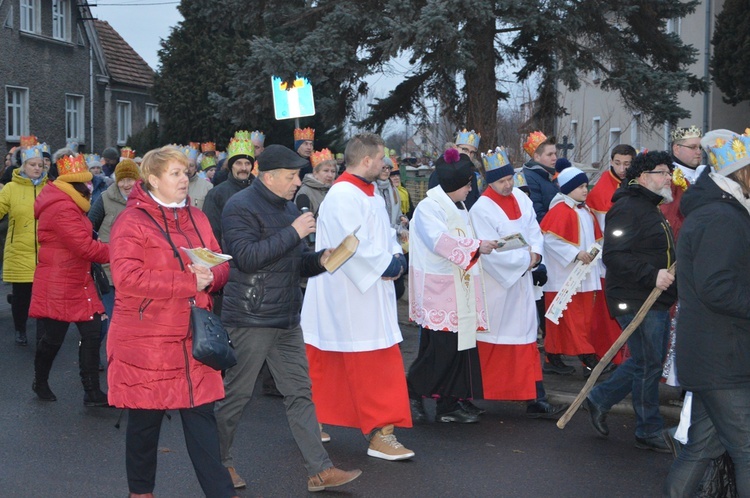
(539, 275)
(398, 264)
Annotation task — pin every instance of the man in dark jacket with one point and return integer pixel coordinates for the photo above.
(713, 347)
(539, 171)
(638, 250)
(263, 232)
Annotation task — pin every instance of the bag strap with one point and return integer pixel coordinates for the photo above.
(169, 239)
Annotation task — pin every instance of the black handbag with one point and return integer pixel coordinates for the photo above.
(100, 279)
(211, 343)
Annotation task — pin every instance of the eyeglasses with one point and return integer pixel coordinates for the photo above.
(694, 148)
(389, 168)
(663, 173)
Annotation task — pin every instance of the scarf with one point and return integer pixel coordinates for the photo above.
(79, 199)
(403, 194)
(466, 303)
(732, 188)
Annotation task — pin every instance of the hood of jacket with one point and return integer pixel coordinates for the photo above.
(310, 181)
(113, 193)
(703, 192)
(49, 198)
(539, 169)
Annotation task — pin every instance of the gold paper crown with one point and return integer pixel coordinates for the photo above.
(304, 134)
(242, 135)
(240, 147)
(685, 133)
(28, 140)
(535, 139)
(195, 145)
(127, 153)
(320, 156)
(208, 147)
(71, 165)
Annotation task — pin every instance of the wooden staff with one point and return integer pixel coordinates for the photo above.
(619, 343)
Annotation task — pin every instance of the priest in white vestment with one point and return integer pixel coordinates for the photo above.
(446, 296)
(349, 317)
(508, 354)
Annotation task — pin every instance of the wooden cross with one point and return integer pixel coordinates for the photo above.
(565, 146)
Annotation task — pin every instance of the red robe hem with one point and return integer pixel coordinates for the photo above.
(572, 336)
(509, 371)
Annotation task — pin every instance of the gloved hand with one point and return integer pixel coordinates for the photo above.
(539, 275)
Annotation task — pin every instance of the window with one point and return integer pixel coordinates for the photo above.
(9, 19)
(124, 124)
(16, 113)
(152, 113)
(74, 113)
(29, 15)
(595, 127)
(635, 131)
(59, 19)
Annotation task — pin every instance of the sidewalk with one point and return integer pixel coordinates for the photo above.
(560, 388)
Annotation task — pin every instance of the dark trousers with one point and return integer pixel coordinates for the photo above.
(201, 439)
(19, 304)
(50, 336)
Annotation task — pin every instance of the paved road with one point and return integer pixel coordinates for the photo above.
(64, 449)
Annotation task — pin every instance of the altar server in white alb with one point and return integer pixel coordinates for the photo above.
(446, 296)
(569, 229)
(508, 353)
(349, 317)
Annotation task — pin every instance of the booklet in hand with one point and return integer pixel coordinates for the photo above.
(343, 252)
(510, 242)
(205, 257)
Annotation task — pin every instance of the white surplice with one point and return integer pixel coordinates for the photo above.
(353, 309)
(509, 286)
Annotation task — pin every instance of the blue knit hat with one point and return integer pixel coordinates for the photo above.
(570, 179)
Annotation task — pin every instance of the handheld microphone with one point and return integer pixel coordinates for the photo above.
(303, 204)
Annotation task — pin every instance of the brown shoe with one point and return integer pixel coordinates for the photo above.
(330, 478)
(324, 436)
(237, 481)
(384, 444)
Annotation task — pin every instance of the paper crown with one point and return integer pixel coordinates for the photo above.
(685, 133)
(304, 134)
(90, 158)
(71, 165)
(208, 162)
(190, 151)
(465, 137)
(127, 153)
(519, 180)
(727, 151)
(45, 148)
(532, 143)
(496, 164)
(318, 157)
(208, 147)
(195, 145)
(28, 140)
(35, 151)
(242, 135)
(240, 147)
(72, 144)
(258, 136)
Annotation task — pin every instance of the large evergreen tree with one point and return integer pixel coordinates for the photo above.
(730, 63)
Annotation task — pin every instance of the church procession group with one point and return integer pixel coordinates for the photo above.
(487, 253)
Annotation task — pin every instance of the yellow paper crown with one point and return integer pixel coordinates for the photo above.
(208, 162)
(28, 140)
(685, 133)
(240, 147)
(304, 134)
(533, 142)
(127, 153)
(71, 165)
(320, 156)
(242, 135)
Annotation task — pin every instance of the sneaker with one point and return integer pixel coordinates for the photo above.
(330, 478)
(324, 436)
(653, 443)
(384, 444)
(467, 406)
(555, 365)
(237, 481)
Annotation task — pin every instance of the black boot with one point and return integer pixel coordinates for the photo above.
(45, 355)
(21, 338)
(88, 361)
(418, 415)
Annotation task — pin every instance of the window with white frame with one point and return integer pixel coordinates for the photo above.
(124, 123)
(74, 118)
(16, 113)
(614, 137)
(152, 113)
(635, 131)
(29, 10)
(595, 129)
(60, 19)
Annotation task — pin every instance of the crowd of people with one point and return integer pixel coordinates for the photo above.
(492, 256)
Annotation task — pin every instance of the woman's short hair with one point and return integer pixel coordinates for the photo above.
(155, 162)
(328, 162)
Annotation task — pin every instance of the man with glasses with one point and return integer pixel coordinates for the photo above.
(686, 159)
(638, 250)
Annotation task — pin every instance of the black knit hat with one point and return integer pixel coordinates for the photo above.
(453, 170)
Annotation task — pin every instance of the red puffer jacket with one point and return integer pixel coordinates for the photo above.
(63, 287)
(151, 365)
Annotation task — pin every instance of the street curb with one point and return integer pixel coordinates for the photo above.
(625, 408)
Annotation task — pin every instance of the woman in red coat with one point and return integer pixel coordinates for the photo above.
(151, 366)
(64, 291)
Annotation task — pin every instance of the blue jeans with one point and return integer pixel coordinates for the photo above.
(720, 419)
(639, 374)
(108, 300)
